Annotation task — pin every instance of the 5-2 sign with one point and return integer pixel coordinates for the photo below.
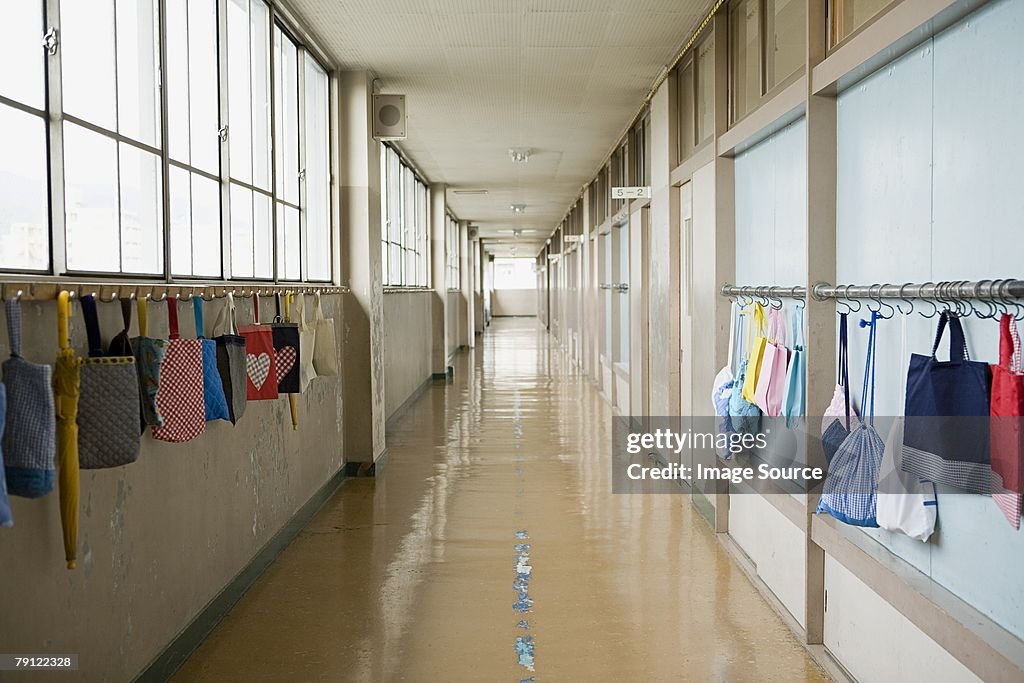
(631, 192)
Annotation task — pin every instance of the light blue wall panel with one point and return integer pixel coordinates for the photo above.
(930, 189)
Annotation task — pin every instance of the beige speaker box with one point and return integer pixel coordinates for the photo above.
(389, 117)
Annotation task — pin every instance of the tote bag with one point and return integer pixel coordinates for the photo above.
(307, 342)
(794, 398)
(260, 359)
(325, 353)
(29, 441)
(850, 493)
(149, 358)
(286, 352)
(231, 359)
(1005, 434)
(943, 440)
(180, 397)
(108, 402)
(772, 379)
(755, 355)
(839, 418)
(215, 403)
(905, 503)
(5, 506)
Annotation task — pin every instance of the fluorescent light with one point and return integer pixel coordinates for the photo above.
(469, 191)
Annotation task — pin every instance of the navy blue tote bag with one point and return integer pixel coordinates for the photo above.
(947, 437)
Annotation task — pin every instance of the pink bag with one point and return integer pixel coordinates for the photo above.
(179, 400)
(771, 383)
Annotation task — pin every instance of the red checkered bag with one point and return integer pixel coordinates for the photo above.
(179, 400)
(1006, 436)
(260, 357)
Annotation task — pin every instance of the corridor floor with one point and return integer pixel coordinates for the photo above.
(490, 548)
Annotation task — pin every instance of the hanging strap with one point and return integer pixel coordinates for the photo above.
(13, 307)
(172, 317)
(288, 307)
(142, 308)
(256, 308)
(758, 326)
(63, 314)
(197, 312)
(92, 326)
(797, 321)
(1009, 344)
(733, 310)
(126, 314)
(869, 368)
(277, 308)
(844, 364)
(957, 342)
(319, 308)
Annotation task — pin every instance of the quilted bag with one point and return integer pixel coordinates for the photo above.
(1005, 434)
(286, 352)
(180, 397)
(214, 401)
(325, 352)
(5, 506)
(260, 365)
(231, 359)
(149, 358)
(850, 493)
(29, 442)
(108, 403)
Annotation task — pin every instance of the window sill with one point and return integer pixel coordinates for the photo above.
(402, 289)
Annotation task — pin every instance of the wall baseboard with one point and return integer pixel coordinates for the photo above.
(192, 636)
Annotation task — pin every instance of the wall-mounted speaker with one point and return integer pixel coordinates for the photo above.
(389, 117)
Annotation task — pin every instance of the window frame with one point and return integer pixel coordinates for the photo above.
(404, 224)
(55, 119)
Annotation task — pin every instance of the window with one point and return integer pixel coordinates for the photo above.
(404, 200)
(685, 108)
(846, 16)
(515, 273)
(452, 246)
(767, 40)
(745, 58)
(211, 202)
(787, 40)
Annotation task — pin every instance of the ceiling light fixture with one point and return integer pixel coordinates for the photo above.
(469, 191)
(519, 156)
(518, 208)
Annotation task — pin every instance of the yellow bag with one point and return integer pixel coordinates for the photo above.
(755, 354)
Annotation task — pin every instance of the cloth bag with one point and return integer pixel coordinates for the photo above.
(755, 354)
(108, 402)
(260, 359)
(744, 416)
(325, 353)
(1005, 434)
(66, 385)
(721, 388)
(215, 402)
(307, 343)
(286, 351)
(180, 397)
(231, 359)
(149, 359)
(5, 506)
(905, 503)
(771, 382)
(944, 441)
(850, 493)
(29, 442)
(840, 417)
(794, 398)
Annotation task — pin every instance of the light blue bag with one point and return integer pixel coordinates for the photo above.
(214, 400)
(5, 505)
(850, 493)
(794, 401)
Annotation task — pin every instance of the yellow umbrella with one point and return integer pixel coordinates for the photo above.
(293, 402)
(66, 389)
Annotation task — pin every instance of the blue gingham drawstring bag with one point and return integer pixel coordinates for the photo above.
(850, 493)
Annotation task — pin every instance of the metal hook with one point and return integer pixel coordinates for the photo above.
(113, 297)
(904, 299)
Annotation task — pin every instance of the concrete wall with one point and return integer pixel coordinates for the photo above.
(455, 315)
(407, 345)
(159, 538)
(514, 302)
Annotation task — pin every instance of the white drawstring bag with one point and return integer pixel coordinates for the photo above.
(906, 504)
(325, 353)
(307, 343)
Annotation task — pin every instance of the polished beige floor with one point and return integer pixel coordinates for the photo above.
(410, 577)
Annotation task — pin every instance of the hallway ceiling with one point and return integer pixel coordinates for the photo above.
(560, 77)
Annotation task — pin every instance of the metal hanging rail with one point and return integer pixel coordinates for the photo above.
(993, 290)
(110, 291)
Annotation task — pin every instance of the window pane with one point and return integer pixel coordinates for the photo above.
(195, 224)
(138, 97)
(263, 236)
(318, 175)
(385, 273)
(786, 29)
(141, 211)
(745, 26)
(90, 201)
(203, 90)
(286, 116)
(180, 229)
(87, 61)
(705, 90)
(288, 243)
(177, 87)
(686, 111)
(396, 264)
(241, 232)
(259, 24)
(24, 224)
(850, 15)
(239, 94)
(21, 33)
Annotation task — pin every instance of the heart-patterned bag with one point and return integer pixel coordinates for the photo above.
(180, 398)
(260, 363)
(214, 399)
(286, 352)
(108, 403)
(149, 358)
(231, 359)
